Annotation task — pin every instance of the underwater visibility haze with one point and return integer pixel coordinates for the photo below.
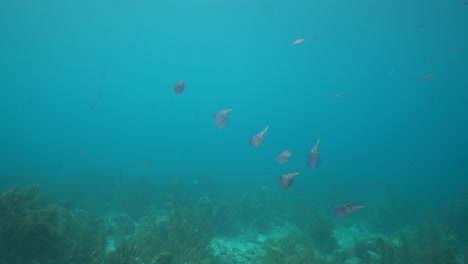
(233, 132)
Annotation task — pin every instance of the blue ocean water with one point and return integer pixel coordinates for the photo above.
(87, 102)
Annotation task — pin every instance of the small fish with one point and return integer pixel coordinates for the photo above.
(79, 153)
(435, 56)
(390, 73)
(92, 109)
(265, 187)
(99, 96)
(283, 157)
(287, 179)
(453, 49)
(257, 139)
(313, 158)
(147, 163)
(179, 87)
(297, 42)
(336, 95)
(427, 76)
(222, 118)
(346, 210)
(423, 25)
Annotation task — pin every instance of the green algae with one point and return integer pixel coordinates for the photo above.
(181, 232)
(31, 232)
(292, 248)
(183, 237)
(27, 231)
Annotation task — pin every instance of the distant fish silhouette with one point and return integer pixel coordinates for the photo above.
(423, 25)
(427, 76)
(297, 42)
(390, 73)
(313, 159)
(222, 118)
(179, 87)
(257, 139)
(283, 157)
(287, 179)
(346, 210)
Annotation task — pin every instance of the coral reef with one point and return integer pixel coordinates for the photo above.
(292, 248)
(249, 229)
(319, 228)
(28, 232)
(50, 234)
(86, 238)
(455, 215)
(127, 253)
(434, 244)
(183, 237)
(431, 244)
(245, 212)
